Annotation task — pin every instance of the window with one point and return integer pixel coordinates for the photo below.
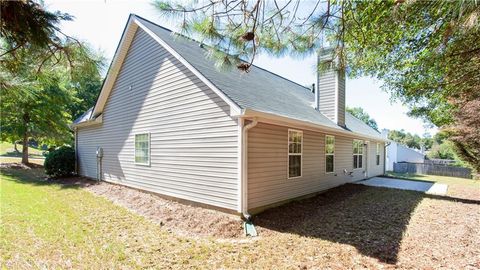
(329, 154)
(378, 153)
(142, 149)
(295, 141)
(357, 154)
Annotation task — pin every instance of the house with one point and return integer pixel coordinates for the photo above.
(396, 153)
(400, 153)
(167, 121)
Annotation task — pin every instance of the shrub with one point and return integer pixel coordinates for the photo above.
(60, 162)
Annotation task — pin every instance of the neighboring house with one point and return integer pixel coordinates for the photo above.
(169, 122)
(400, 153)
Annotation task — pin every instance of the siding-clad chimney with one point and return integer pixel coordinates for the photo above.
(330, 94)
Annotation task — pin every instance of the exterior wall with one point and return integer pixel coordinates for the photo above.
(194, 147)
(405, 154)
(400, 153)
(341, 99)
(326, 90)
(268, 159)
(331, 87)
(373, 168)
(391, 156)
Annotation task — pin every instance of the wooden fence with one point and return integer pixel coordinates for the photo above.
(421, 168)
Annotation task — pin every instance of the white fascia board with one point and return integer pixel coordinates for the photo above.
(118, 58)
(89, 122)
(290, 122)
(235, 109)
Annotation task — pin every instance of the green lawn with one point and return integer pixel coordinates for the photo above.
(9, 155)
(437, 179)
(7, 150)
(46, 225)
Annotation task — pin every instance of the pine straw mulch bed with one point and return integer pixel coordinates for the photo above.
(349, 225)
(183, 219)
(388, 227)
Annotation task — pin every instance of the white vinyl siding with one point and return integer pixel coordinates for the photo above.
(373, 168)
(268, 165)
(295, 139)
(329, 154)
(357, 154)
(341, 99)
(193, 140)
(326, 86)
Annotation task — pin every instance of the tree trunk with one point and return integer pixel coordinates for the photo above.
(25, 148)
(15, 147)
(26, 121)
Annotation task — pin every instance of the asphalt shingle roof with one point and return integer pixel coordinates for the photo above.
(84, 117)
(259, 89)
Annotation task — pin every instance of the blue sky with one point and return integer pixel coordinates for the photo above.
(101, 22)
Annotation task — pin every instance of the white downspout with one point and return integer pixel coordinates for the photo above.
(75, 137)
(245, 213)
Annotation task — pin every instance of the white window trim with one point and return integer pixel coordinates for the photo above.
(353, 154)
(149, 149)
(325, 154)
(294, 154)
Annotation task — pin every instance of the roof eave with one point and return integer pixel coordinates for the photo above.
(116, 64)
(287, 121)
(95, 121)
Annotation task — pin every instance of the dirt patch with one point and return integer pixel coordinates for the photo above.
(180, 218)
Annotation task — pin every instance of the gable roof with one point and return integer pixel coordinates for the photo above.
(259, 90)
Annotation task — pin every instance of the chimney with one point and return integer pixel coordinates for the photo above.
(330, 94)
(385, 133)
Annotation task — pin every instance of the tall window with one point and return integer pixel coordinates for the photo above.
(295, 141)
(357, 154)
(142, 149)
(378, 154)
(329, 154)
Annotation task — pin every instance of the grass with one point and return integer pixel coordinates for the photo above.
(8, 150)
(9, 155)
(6, 160)
(47, 224)
(437, 179)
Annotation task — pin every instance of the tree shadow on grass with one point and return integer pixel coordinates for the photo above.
(34, 175)
(371, 219)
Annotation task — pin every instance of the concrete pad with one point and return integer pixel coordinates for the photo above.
(426, 187)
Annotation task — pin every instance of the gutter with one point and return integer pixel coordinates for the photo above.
(286, 121)
(89, 122)
(244, 207)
